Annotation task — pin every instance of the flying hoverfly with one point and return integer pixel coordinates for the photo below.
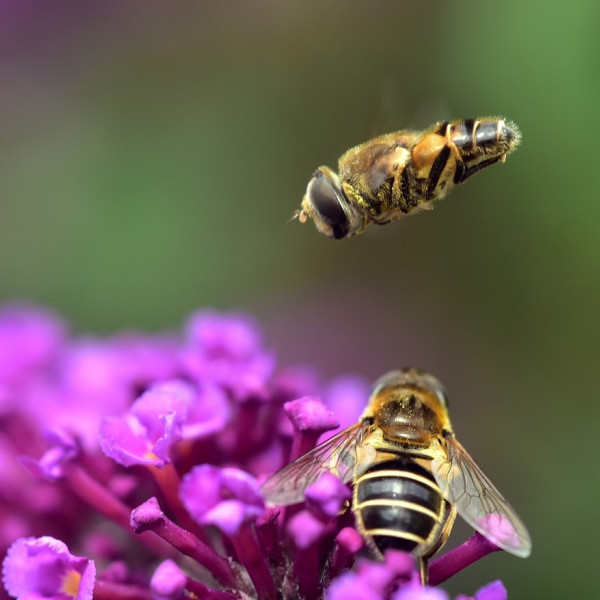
(401, 173)
(409, 473)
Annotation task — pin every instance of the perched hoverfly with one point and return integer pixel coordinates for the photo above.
(410, 474)
(403, 172)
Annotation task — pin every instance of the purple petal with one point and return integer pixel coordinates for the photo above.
(145, 515)
(492, 591)
(225, 497)
(328, 494)
(91, 369)
(305, 529)
(125, 440)
(310, 414)
(200, 490)
(500, 529)
(348, 543)
(243, 380)
(375, 574)
(402, 564)
(351, 587)
(146, 434)
(380, 575)
(229, 516)
(168, 581)
(349, 539)
(233, 336)
(209, 413)
(416, 592)
(44, 567)
(30, 338)
(169, 397)
(86, 384)
(241, 485)
(227, 349)
(63, 449)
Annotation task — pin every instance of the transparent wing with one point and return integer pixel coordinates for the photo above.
(345, 455)
(478, 501)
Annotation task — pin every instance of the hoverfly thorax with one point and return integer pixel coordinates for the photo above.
(408, 419)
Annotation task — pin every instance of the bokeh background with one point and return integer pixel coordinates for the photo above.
(152, 153)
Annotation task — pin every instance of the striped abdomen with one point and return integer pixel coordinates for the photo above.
(397, 504)
(482, 136)
(477, 144)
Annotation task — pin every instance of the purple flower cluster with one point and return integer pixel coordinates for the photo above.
(145, 454)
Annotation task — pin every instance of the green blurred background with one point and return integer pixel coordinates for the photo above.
(151, 154)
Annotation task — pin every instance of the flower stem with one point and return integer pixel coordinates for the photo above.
(108, 590)
(348, 543)
(250, 555)
(148, 516)
(245, 439)
(444, 567)
(303, 442)
(169, 481)
(307, 569)
(206, 593)
(268, 536)
(99, 498)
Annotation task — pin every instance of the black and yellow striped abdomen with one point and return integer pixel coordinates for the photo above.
(398, 504)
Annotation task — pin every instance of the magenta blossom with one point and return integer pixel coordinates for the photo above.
(147, 453)
(226, 497)
(44, 568)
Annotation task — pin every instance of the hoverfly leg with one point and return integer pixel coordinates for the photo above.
(469, 172)
(423, 571)
(437, 168)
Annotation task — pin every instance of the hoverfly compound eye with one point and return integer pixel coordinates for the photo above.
(326, 201)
